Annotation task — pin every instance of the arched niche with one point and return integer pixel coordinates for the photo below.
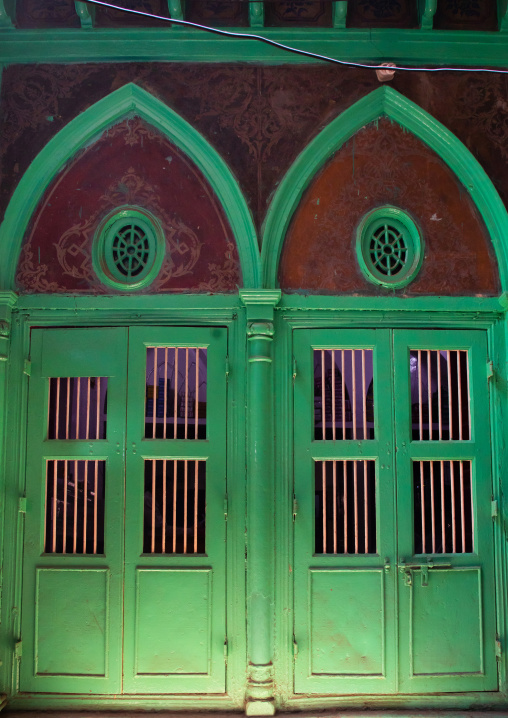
(383, 102)
(128, 101)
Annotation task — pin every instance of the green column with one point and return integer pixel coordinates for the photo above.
(260, 501)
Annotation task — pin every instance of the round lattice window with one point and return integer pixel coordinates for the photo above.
(128, 248)
(389, 247)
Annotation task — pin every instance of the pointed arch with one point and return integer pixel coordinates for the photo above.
(88, 125)
(383, 101)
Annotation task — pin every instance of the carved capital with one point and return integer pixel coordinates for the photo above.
(262, 329)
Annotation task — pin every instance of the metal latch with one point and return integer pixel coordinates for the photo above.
(27, 367)
(22, 505)
(18, 649)
(295, 508)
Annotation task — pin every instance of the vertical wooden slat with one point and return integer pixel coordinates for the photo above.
(323, 412)
(196, 467)
(175, 478)
(323, 481)
(364, 397)
(64, 528)
(439, 402)
(57, 417)
(196, 400)
(420, 416)
(186, 389)
(334, 507)
(175, 411)
(75, 517)
(353, 373)
(185, 490)
(153, 507)
(95, 504)
(462, 507)
(449, 374)
(88, 408)
(55, 488)
(85, 502)
(98, 433)
(366, 506)
(333, 398)
(468, 398)
(355, 491)
(459, 390)
(78, 398)
(433, 507)
(443, 519)
(422, 494)
(165, 419)
(343, 381)
(154, 401)
(454, 524)
(344, 473)
(164, 499)
(68, 403)
(429, 391)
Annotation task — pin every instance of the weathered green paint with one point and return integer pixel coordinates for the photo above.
(388, 102)
(85, 128)
(172, 44)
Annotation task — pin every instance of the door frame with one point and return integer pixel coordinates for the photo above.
(363, 313)
(119, 311)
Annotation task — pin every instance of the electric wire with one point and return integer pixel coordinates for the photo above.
(289, 48)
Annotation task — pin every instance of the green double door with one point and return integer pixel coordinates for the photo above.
(393, 568)
(124, 554)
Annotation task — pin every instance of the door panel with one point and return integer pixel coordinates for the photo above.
(447, 608)
(73, 558)
(175, 545)
(125, 527)
(344, 529)
(366, 571)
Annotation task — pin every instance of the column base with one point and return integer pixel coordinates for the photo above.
(260, 708)
(260, 701)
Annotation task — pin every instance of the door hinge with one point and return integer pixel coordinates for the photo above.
(22, 505)
(27, 367)
(294, 370)
(226, 507)
(499, 650)
(227, 368)
(18, 649)
(226, 650)
(295, 647)
(494, 510)
(490, 369)
(295, 508)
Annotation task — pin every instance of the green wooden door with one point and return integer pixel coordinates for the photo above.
(124, 560)
(393, 566)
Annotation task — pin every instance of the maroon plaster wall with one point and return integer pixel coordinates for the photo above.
(131, 164)
(384, 165)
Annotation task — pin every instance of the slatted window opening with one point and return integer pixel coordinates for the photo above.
(440, 395)
(175, 506)
(343, 394)
(77, 408)
(345, 507)
(74, 511)
(443, 507)
(175, 403)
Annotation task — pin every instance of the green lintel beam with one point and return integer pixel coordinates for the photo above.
(414, 47)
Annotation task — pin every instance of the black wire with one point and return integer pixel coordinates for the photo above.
(289, 48)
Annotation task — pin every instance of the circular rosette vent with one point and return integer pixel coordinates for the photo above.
(128, 248)
(389, 247)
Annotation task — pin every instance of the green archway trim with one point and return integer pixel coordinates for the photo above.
(388, 102)
(82, 130)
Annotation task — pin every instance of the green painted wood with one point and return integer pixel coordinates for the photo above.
(175, 605)
(371, 45)
(344, 605)
(72, 619)
(383, 101)
(85, 128)
(448, 632)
